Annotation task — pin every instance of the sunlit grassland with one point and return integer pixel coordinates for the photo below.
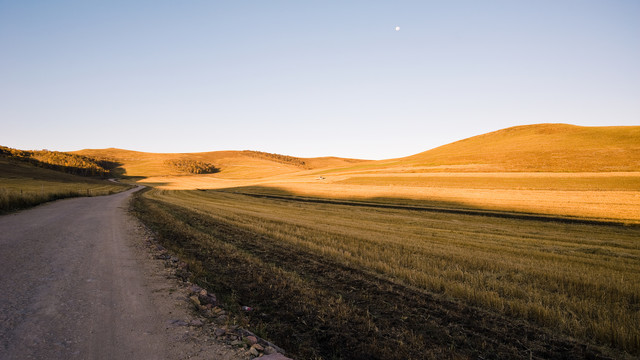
(533, 229)
(608, 181)
(581, 280)
(232, 164)
(607, 196)
(541, 147)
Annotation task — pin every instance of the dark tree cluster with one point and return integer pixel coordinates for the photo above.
(56, 160)
(283, 159)
(192, 166)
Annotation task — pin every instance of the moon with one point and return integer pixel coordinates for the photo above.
(397, 28)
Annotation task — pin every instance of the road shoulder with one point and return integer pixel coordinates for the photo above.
(188, 336)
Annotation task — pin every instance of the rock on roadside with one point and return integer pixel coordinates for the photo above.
(212, 320)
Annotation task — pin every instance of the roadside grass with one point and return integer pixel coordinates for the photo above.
(331, 274)
(20, 194)
(23, 185)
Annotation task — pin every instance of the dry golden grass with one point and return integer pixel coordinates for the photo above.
(601, 181)
(23, 185)
(606, 205)
(541, 147)
(581, 280)
(613, 196)
(232, 164)
(551, 169)
(529, 148)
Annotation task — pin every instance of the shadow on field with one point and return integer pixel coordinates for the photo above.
(447, 207)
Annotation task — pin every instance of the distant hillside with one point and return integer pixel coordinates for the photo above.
(542, 147)
(226, 164)
(283, 159)
(11, 168)
(528, 148)
(60, 161)
(25, 182)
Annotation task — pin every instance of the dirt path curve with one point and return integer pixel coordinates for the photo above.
(75, 284)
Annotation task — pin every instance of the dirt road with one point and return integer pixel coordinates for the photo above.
(75, 284)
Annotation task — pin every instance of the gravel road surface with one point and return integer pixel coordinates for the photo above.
(76, 283)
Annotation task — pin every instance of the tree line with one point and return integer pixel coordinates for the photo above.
(61, 161)
(192, 166)
(283, 159)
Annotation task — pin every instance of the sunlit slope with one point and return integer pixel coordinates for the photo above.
(231, 164)
(529, 148)
(542, 147)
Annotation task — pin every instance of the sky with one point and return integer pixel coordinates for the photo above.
(309, 78)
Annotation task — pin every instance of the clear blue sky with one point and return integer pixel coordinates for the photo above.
(309, 78)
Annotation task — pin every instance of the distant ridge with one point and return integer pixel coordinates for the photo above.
(528, 148)
(231, 164)
(540, 147)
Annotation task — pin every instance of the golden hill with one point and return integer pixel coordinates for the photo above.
(528, 148)
(541, 147)
(230, 164)
(547, 168)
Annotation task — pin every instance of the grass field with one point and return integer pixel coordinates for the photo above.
(353, 281)
(23, 185)
(606, 196)
(519, 243)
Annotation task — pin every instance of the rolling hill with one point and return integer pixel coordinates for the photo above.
(230, 164)
(541, 147)
(594, 170)
(528, 148)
